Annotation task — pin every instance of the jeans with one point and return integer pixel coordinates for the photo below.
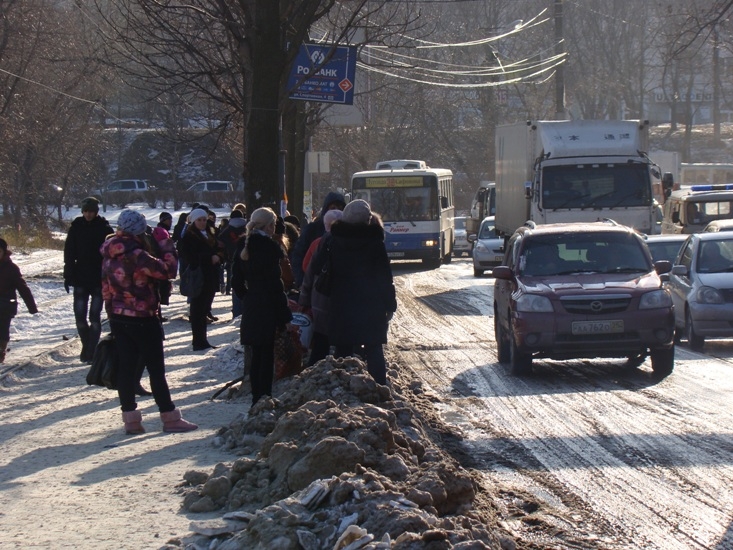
(90, 331)
(137, 337)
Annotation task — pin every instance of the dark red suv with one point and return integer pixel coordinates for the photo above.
(582, 290)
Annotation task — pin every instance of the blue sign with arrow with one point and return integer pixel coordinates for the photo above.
(323, 73)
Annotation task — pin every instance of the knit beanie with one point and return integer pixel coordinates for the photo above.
(197, 213)
(131, 221)
(330, 217)
(165, 216)
(4, 245)
(90, 204)
(357, 211)
(236, 214)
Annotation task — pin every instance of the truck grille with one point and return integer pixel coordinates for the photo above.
(596, 305)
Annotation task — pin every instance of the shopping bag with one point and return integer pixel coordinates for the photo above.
(103, 371)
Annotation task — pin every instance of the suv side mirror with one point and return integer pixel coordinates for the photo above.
(662, 266)
(502, 272)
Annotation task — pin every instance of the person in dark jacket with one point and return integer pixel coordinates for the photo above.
(363, 296)
(311, 232)
(230, 237)
(11, 281)
(199, 249)
(129, 280)
(265, 303)
(83, 271)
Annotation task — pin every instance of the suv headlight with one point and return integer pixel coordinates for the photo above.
(655, 299)
(534, 303)
(709, 295)
(479, 246)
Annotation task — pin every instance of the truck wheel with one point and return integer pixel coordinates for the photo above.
(503, 353)
(521, 363)
(448, 257)
(695, 341)
(662, 361)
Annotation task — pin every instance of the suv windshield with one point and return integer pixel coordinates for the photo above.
(566, 253)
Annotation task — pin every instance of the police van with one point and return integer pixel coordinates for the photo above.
(690, 209)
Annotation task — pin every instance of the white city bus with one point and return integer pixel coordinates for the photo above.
(416, 206)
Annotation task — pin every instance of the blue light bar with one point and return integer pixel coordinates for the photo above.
(708, 187)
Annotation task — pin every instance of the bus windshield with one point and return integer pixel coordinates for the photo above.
(596, 186)
(400, 203)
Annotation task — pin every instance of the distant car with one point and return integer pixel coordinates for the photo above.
(666, 246)
(718, 225)
(211, 186)
(460, 240)
(488, 247)
(582, 290)
(701, 285)
(125, 191)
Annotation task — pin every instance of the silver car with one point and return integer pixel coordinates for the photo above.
(460, 240)
(488, 247)
(701, 284)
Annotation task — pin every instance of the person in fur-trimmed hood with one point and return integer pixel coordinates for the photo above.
(363, 296)
(315, 229)
(200, 248)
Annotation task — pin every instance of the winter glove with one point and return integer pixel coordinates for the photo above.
(66, 286)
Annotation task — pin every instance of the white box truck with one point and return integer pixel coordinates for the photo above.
(574, 171)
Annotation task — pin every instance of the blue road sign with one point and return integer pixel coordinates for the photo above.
(323, 74)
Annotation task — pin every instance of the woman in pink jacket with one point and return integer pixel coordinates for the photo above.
(129, 276)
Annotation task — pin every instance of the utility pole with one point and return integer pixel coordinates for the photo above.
(716, 85)
(560, 70)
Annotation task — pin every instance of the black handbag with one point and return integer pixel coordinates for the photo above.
(192, 281)
(103, 371)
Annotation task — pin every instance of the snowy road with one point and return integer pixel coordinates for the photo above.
(604, 449)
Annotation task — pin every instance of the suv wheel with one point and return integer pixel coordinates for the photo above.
(695, 341)
(663, 361)
(633, 361)
(502, 342)
(478, 272)
(521, 363)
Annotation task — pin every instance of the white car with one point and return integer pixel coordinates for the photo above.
(460, 238)
(488, 247)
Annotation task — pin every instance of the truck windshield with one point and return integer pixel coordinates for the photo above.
(596, 186)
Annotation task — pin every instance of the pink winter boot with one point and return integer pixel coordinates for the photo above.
(173, 423)
(133, 422)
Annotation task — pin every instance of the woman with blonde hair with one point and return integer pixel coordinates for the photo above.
(264, 301)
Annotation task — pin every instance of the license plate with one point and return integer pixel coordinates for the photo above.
(395, 254)
(499, 259)
(597, 327)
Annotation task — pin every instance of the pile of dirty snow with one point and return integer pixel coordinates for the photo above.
(335, 460)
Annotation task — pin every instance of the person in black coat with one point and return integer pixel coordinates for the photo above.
(11, 281)
(363, 296)
(83, 271)
(311, 232)
(264, 301)
(199, 249)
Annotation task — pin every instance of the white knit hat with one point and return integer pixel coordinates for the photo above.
(197, 213)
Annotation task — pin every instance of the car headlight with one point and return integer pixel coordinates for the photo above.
(655, 299)
(480, 247)
(709, 295)
(534, 303)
